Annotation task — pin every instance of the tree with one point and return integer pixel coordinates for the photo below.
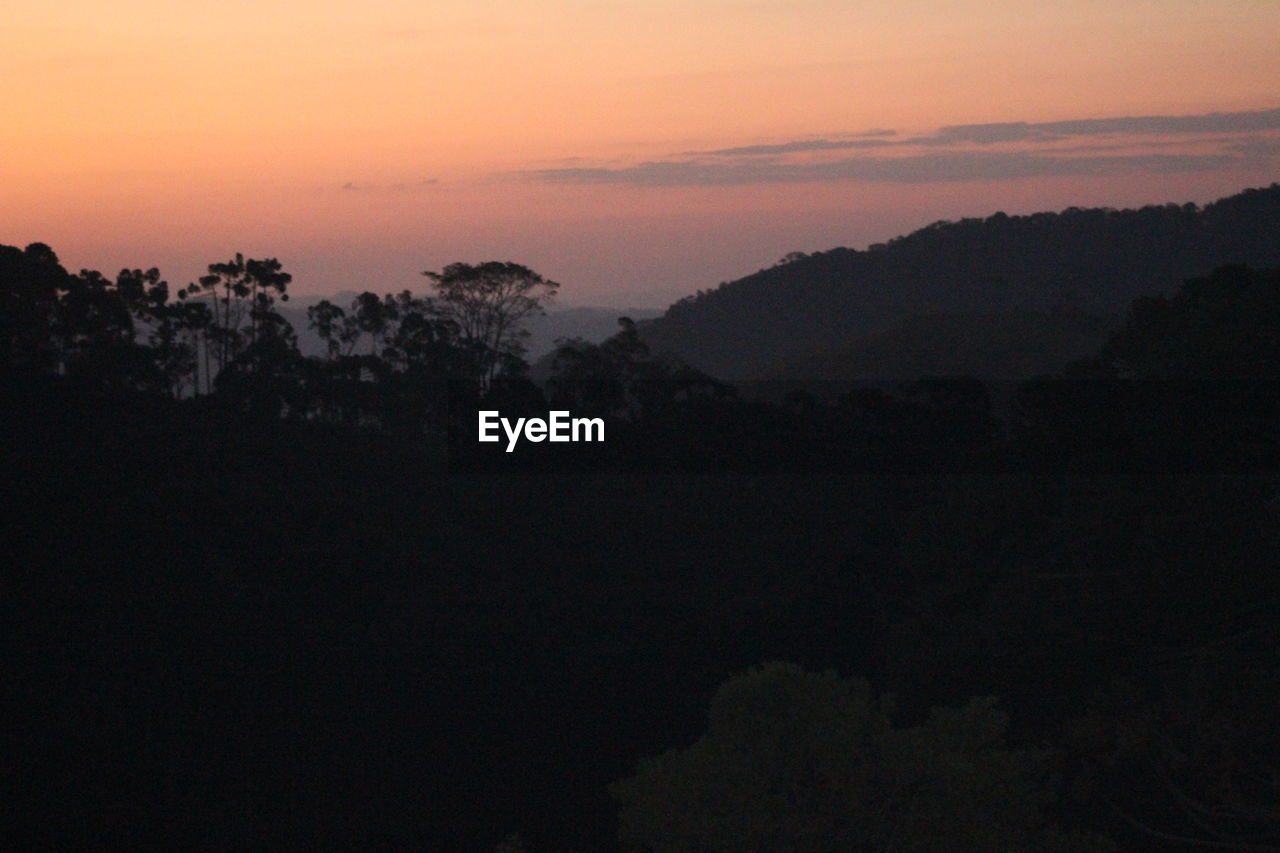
(388, 359)
(403, 331)
(620, 377)
(801, 761)
(31, 283)
(490, 302)
(329, 322)
(1220, 327)
(1191, 760)
(175, 330)
(243, 292)
(373, 318)
(1186, 383)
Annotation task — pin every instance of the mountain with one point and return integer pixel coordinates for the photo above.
(1092, 261)
(1006, 345)
(592, 324)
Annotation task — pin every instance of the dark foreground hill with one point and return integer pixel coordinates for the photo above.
(1094, 260)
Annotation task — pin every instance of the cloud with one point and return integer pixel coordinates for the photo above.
(1005, 150)
(1240, 122)
(922, 168)
(1021, 131)
(867, 139)
(983, 134)
(1243, 122)
(352, 186)
(1265, 147)
(793, 147)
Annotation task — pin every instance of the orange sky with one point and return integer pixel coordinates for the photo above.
(364, 142)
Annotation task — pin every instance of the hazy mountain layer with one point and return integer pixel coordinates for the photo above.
(589, 323)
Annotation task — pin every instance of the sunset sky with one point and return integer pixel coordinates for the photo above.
(634, 150)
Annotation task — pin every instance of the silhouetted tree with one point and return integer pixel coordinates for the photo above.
(1188, 381)
(424, 338)
(621, 377)
(31, 283)
(1218, 327)
(242, 292)
(805, 762)
(175, 331)
(407, 351)
(489, 302)
(267, 378)
(328, 321)
(373, 318)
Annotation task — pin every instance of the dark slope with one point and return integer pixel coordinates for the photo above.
(1096, 259)
(993, 345)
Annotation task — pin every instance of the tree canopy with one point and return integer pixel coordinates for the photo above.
(799, 761)
(489, 302)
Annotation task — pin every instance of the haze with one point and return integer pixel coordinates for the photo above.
(634, 151)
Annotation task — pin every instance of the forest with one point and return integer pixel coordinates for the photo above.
(262, 600)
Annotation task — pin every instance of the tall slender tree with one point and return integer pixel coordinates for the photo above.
(242, 294)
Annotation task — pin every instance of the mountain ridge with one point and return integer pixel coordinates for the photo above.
(1093, 260)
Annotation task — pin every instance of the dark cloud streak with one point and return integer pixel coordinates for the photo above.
(925, 168)
(875, 138)
(1242, 122)
(794, 147)
(1021, 131)
(771, 163)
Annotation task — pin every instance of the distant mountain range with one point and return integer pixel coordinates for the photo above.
(591, 323)
(1003, 297)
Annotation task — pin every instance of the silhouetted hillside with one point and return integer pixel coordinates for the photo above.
(1096, 260)
(995, 345)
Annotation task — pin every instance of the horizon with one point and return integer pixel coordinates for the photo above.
(635, 153)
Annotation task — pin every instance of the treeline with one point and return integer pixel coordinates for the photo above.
(423, 365)
(807, 317)
(234, 621)
(223, 335)
(404, 362)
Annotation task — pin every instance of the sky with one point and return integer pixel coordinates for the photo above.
(633, 150)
